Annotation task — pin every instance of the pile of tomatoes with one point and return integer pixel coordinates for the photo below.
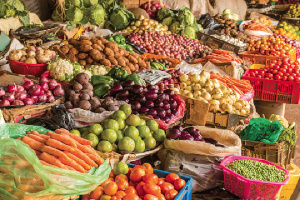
(271, 46)
(138, 184)
(283, 69)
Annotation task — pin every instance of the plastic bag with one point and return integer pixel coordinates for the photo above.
(208, 22)
(262, 130)
(227, 138)
(22, 176)
(188, 68)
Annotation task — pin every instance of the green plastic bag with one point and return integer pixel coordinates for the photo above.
(22, 176)
(262, 130)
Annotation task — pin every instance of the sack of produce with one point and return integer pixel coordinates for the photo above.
(24, 177)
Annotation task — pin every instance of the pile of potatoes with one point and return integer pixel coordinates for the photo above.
(93, 51)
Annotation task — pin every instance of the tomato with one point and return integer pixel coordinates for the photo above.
(252, 74)
(277, 67)
(105, 182)
(130, 190)
(272, 65)
(131, 197)
(290, 78)
(284, 78)
(171, 194)
(166, 186)
(151, 177)
(112, 175)
(297, 79)
(277, 77)
(97, 193)
(121, 176)
(115, 198)
(160, 181)
(290, 70)
(269, 75)
(139, 189)
(258, 76)
(274, 71)
(285, 59)
(120, 194)
(150, 188)
(282, 70)
(110, 188)
(122, 183)
(129, 172)
(161, 197)
(148, 168)
(137, 175)
(172, 177)
(280, 73)
(262, 73)
(150, 197)
(179, 184)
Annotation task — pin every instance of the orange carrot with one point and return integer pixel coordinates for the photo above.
(83, 148)
(33, 143)
(78, 139)
(71, 168)
(37, 152)
(37, 138)
(41, 135)
(64, 139)
(78, 160)
(72, 163)
(47, 164)
(84, 157)
(52, 160)
(53, 151)
(59, 145)
(97, 159)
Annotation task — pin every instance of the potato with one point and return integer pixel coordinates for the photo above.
(82, 62)
(87, 86)
(103, 40)
(113, 107)
(100, 110)
(87, 91)
(112, 45)
(94, 40)
(70, 46)
(70, 92)
(72, 58)
(96, 63)
(128, 69)
(82, 56)
(85, 105)
(84, 38)
(132, 59)
(121, 51)
(99, 42)
(97, 46)
(77, 86)
(85, 97)
(109, 52)
(142, 63)
(95, 54)
(74, 98)
(148, 65)
(121, 61)
(64, 49)
(68, 105)
(126, 61)
(73, 51)
(105, 62)
(117, 54)
(112, 60)
(131, 67)
(126, 53)
(85, 48)
(73, 42)
(82, 78)
(137, 67)
(87, 42)
(95, 103)
(89, 60)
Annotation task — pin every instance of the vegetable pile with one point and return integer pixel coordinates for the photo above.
(293, 11)
(180, 133)
(255, 25)
(255, 170)
(120, 40)
(63, 150)
(152, 8)
(32, 55)
(289, 135)
(172, 45)
(173, 82)
(30, 93)
(288, 30)
(230, 40)
(14, 8)
(221, 56)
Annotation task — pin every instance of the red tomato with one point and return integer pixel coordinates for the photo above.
(137, 175)
(290, 70)
(139, 189)
(277, 67)
(171, 194)
(150, 197)
(290, 78)
(179, 184)
(161, 197)
(284, 78)
(272, 65)
(258, 76)
(150, 188)
(280, 73)
(297, 79)
(172, 177)
(160, 181)
(151, 177)
(282, 70)
(148, 168)
(274, 71)
(277, 77)
(166, 186)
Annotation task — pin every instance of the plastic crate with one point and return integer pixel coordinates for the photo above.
(250, 189)
(274, 90)
(257, 58)
(205, 35)
(185, 193)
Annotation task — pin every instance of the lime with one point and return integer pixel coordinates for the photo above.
(93, 138)
(120, 168)
(133, 120)
(152, 124)
(159, 135)
(111, 124)
(109, 135)
(126, 144)
(142, 122)
(121, 123)
(132, 132)
(119, 114)
(96, 128)
(85, 134)
(114, 147)
(150, 142)
(84, 129)
(126, 108)
(144, 131)
(120, 135)
(75, 132)
(138, 138)
(104, 146)
(139, 146)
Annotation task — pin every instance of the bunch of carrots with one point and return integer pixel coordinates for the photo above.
(240, 86)
(255, 25)
(220, 56)
(64, 150)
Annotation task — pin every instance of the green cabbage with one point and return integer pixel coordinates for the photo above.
(164, 13)
(175, 27)
(74, 14)
(189, 32)
(88, 3)
(97, 15)
(167, 21)
(120, 18)
(186, 17)
(77, 3)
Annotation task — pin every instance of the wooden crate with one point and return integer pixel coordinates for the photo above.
(133, 3)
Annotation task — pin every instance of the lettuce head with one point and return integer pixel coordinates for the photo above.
(186, 17)
(74, 14)
(189, 32)
(175, 27)
(164, 13)
(97, 14)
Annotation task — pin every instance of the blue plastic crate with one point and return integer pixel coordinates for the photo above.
(186, 191)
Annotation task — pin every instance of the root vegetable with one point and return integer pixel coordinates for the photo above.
(85, 105)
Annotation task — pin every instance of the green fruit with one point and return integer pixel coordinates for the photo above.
(132, 132)
(133, 120)
(120, 135)
(93, 138)
(111, 124)
(142, 122)
(114, 147)
(144, 131)
(75, 132)
(138, 138)
(109, 135)
(121, 123)
(104, 146)
(139, 146)
(85, 134)
(126, 144)
(152, 124)
(159, 135)
(96, 128)
(150, 142)
(126, 108)
(121, 168)
(84, 129)
(119, 114)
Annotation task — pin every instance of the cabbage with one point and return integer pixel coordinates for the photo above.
(175, 27)
(77, 3)
(74, 14)
(97, 14)
(189, 32)
(186, 17)
(164, 13)
(119, 18)
(167, 21)
(88, 3)
(226, 11)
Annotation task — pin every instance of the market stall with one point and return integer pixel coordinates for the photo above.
(149, 100)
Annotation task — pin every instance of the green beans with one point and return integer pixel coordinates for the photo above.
(255, 170)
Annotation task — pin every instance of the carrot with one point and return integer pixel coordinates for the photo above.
(59, 145)
(64, 139)
(41, 135)
(97, 159)
(72, 163)
(84, 148)
(47, 164)
(30, 188)
(37, 152)
(78, 160)
(71, 168)
(53, 151)
(52, 160)
(78, 139)
(37, 138)
(84, 157)
(33, 143)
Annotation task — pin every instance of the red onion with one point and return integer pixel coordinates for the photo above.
(44, 86)
(11, 88)
(42, 98)
(21, 95)
(48, 92)
(20, 88)
(58, 91)
(28, 83)
(17, 102)
(35, 90)
(28, 101)
(50, 98)
(9, 97)
(4, 103)
(42, 92)
(44, 80)
(52, 84)
(35, 99)
(2, 92)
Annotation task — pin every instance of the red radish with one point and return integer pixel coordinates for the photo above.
(8, 96)
(28, 101)
(53, 84)
(17, 102)
(11, 88)
(42, 98)
(35, 90)
(58, 91)
(44, 86)
(28, 83)
(4, 103)
(35, 99)
(2, 92)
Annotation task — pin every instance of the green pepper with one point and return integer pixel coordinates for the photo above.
(111, 38)
(99, 79)
(128, 48)
(118, 73)
(119, 39)
(137, 80)
(101, 89)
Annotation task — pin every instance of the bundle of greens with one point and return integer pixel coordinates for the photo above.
(13, 8)
(289, 135)
(183, 23)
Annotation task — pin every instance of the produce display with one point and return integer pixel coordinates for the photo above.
(14, 9)
(255, 170)
(230, 40)
(32, 55)
(180, 133)
(212, 91)
(172, 45)
(255, 25)
(63, 150)
(289, 135)
(264, 20)
(293, 11)
(288, 30)
(162, 62)
(221, 56)
(152, 7)
(143, 24)
(30, 93)
(120, 40)
(171, 83)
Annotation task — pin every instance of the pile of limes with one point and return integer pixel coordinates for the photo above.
(123, 132)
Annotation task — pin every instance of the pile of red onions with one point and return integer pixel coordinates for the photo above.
(171, 82)
(172, 45)
(30, 93)
(147, 100)
(179, 133)
(151, 8)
